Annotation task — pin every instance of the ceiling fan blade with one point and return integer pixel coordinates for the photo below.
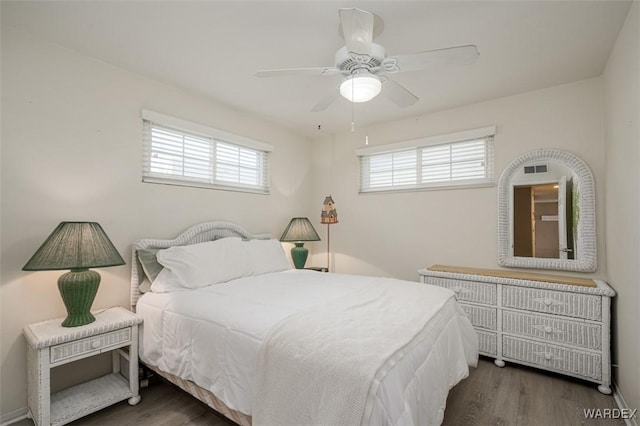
(357, 28)
(398, 94)
(298, 71)
(326, 101)
(460, 55)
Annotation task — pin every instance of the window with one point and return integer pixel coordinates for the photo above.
(177, 152)
(454, 160)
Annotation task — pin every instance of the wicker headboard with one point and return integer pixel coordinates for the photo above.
(201, 233)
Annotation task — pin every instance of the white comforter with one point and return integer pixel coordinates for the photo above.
(213, 335)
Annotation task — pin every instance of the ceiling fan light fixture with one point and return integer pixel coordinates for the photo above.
(361, 87)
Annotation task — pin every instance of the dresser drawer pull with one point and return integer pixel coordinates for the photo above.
(95, 344)
(548, 356)
(548, 329)
(548, 301)
(460, 290)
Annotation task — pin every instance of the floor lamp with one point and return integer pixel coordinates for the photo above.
(329, 216)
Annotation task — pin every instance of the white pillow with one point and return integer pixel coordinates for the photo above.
(201, 265)
(266, 256)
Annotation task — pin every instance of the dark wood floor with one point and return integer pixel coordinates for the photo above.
(489, 396)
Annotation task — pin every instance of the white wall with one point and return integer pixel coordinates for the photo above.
(71, 150)
(397, 234)
(622, 144)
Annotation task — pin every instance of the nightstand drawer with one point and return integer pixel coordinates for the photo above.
(90, 344)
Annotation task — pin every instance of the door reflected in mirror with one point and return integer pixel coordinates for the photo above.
(543, 220)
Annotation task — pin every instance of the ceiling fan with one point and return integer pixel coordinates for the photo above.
(365, 65)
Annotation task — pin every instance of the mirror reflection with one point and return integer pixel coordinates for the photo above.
(542, 217)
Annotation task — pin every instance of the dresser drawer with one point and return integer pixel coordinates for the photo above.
(481, 316)
(487, 343)
(96, 343)
(569, 304)
(561, 359)
(553, 329)
(468, 291)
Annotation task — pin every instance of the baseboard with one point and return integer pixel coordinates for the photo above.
(621, 403)
(12, 417)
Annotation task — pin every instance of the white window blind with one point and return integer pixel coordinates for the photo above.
(179, 157)
(420, 165)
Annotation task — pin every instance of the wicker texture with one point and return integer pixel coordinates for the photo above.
(553, 329)
(488, 343)
(481, 316)
(36, 381)
(49, 333)
(51, 345)
(569, 361)
(201, 233)
(88, 345)
(467, 291)
(556, 327)
(552, 302)
(96, 395)
(584, 185)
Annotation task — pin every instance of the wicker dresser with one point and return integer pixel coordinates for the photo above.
(534, 320)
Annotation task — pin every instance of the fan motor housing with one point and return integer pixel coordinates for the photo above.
(349, 62)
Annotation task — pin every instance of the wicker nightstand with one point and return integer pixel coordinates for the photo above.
(51, 345)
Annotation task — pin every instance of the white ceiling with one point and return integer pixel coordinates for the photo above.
(213, 48)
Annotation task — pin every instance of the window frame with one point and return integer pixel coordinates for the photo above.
(200, 133)
(417, 146)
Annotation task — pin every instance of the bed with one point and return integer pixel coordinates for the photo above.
(269, 345)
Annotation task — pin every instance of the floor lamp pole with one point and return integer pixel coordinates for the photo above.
(328, 247)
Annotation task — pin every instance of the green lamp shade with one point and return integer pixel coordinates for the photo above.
(298, 231)
(77, 246)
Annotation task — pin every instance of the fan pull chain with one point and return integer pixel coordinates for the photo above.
(353, 120)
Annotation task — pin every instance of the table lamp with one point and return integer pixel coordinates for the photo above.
(298, 231)
(77, 246)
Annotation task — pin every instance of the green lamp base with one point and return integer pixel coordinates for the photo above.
(299, 255)
(78, 288)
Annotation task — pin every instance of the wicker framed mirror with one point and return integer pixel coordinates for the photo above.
(546, 213)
